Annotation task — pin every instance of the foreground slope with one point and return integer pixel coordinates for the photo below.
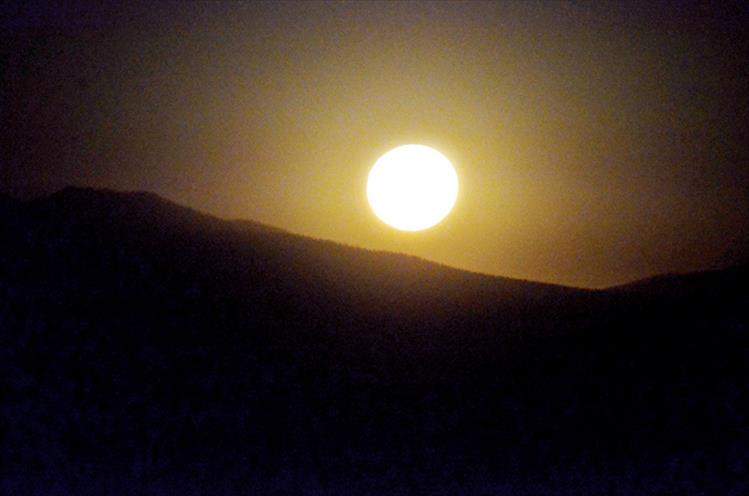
(151, 349)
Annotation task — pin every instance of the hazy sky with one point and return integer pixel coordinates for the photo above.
(595, 144)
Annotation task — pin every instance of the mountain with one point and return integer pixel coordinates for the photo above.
(148, 348)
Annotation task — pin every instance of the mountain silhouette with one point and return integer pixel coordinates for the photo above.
(148, 348)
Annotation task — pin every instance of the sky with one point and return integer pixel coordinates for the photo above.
(595, 143)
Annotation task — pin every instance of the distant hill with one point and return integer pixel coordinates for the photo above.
(7, 202)
(148, 348)
(672, 284)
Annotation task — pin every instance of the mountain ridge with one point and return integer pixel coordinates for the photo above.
(151, 349)
(109, 197)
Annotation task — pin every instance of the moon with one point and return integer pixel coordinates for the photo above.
(412, 187)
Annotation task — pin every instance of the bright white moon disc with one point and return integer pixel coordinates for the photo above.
(412, 187)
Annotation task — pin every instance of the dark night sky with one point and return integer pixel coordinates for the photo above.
(595, 144)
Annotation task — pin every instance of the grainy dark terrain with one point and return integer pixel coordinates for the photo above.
(150, 349)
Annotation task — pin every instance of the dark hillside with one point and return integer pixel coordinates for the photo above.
(151, 349)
